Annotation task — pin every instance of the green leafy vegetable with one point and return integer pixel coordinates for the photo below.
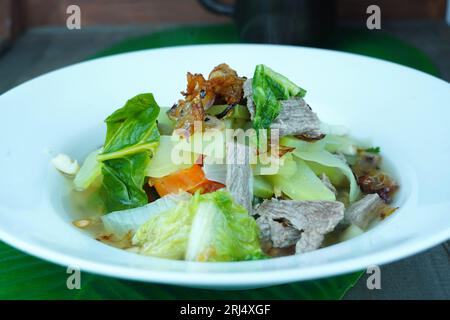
(132, 128)
(375, 150)
(268, 88)
(282, 86)
(166, 234)
(210, 227)
(123, 180)
(222, 231)
(121, 223)
(131, 139)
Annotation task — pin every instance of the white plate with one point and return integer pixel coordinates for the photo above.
(403, 111)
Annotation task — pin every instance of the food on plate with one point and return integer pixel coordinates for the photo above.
(238, 169)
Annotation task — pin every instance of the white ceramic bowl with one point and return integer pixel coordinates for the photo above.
(405, 112)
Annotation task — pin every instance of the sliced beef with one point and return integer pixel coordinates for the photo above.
(279, 233)
(297, 118)
(311, 219)
(310, 241)
(364, 211)
(239, 180)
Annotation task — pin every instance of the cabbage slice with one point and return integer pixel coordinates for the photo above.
(298, 144)
(341, 144)
(262, 187)
(303, 185)
(168, 160)
(165, 124)
(337, 178)
(90, 170)
(319, 153)
(210, 143)
(328, 159)
(269, 165)
(121, 223)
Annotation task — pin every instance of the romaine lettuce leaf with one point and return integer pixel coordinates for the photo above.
(222, 231)
(210, 227)
(121, 223)
(166, 234)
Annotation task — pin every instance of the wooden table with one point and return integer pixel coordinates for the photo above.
(423, 276)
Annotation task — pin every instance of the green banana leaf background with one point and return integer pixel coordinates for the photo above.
(26, 277)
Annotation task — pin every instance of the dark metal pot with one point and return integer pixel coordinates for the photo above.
(306, 22)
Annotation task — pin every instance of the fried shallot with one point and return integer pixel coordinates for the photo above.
(223, 86)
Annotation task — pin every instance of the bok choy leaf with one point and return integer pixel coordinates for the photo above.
(123, 181)
(131, 140)
(132, 128)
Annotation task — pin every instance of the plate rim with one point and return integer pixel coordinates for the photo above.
(211, 279)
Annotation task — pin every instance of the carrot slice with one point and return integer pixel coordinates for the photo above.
(190, 180)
